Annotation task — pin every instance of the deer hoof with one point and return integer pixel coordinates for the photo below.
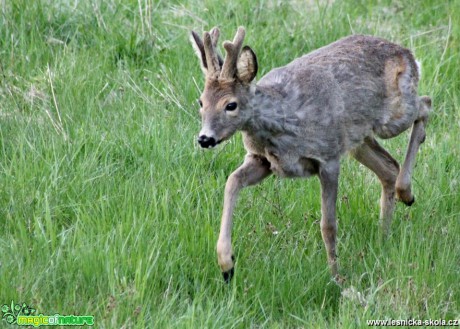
(410, 202)
(228, 275)
(405, 196)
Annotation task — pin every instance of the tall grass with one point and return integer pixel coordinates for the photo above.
(109, 208)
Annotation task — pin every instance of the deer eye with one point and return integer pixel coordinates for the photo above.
(200, 102)
(231, 106)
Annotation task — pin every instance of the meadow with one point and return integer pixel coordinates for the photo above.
(108, 206)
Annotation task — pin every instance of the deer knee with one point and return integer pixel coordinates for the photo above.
(236, 181)
(242, 178)
(389, 180)
(233, 181)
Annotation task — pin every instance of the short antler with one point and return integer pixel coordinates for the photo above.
(198, 45)
(233, 50)
(215, 33)
(213, 60)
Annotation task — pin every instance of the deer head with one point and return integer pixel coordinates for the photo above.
(227, 85)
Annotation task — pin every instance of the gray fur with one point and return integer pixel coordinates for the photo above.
(299, 119)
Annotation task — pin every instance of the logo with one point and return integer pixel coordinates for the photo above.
(23, 315)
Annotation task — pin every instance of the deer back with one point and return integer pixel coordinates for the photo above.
(325, 103)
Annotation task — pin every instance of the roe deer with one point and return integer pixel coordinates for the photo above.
(299, 119)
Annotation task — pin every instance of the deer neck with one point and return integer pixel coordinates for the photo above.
(265, 111)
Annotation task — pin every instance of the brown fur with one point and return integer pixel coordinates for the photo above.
(299, 119)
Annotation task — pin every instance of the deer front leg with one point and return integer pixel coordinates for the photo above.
(329, 178)
(252, 171)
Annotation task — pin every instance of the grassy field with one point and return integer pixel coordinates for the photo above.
(108, 207)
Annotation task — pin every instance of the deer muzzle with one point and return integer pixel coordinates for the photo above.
(207, 142)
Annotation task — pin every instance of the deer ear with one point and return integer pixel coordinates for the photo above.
(198, 46)
(246, 66)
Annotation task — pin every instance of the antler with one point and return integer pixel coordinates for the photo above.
(233, 50)
(214, 38)
(213, 59)
(198, 45)
(212, 63)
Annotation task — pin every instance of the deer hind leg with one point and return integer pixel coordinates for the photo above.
(377, 159)
(403, 183)
(252, 171)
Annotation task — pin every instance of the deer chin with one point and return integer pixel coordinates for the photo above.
(215, 145)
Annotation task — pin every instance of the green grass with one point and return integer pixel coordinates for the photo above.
(109, 208)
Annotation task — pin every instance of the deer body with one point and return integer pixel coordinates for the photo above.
(298, 120)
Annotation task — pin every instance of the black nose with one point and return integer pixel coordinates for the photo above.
(206, 141)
